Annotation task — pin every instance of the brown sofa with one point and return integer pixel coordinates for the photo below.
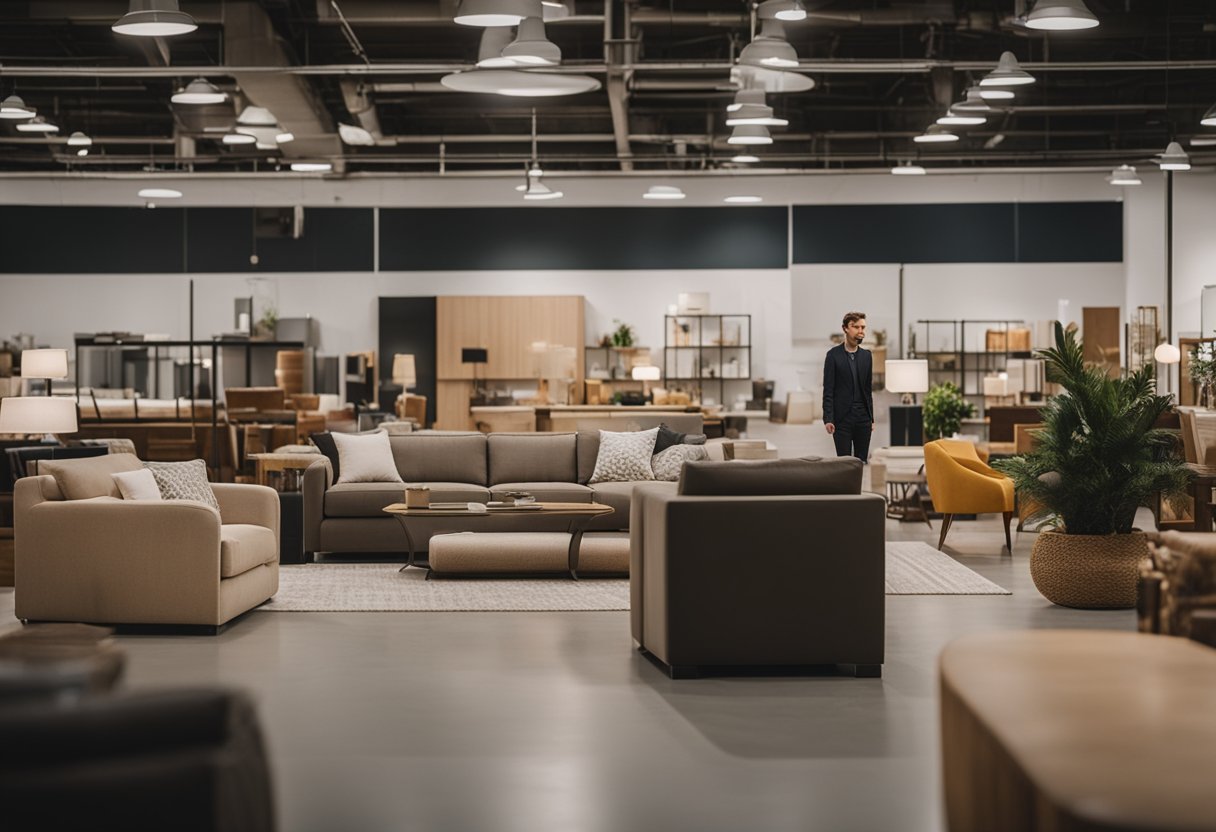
(759, 564)
(457, 466)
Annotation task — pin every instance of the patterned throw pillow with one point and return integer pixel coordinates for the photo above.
(667, 464)
(183, 481)
(625, 457)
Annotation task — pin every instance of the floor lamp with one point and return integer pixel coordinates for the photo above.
(909, 377)
(1167, 354)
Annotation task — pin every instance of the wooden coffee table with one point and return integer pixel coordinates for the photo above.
(578, 515)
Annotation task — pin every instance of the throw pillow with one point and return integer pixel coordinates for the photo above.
(666, 438)
(694, 439)
(82, 479)
(366, 458)
(184, 481)
(325, 444)
(138, 485)
(668, 464)
(625, 457)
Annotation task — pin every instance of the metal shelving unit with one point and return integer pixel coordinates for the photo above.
(966, 368)
(706, 352)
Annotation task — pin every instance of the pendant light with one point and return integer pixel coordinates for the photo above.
(239, 138)
(1007, 73)
(494, 39)
(154, 19)
(1174, 158)
(663, 192)
(743, 199)
(554, 9)
(160, 193)
(14, 108)
(38, 124)
(788, 10)
(531, 47)
(935, 134)
(199, 91)
(749, 108)
(79, 139)
(745, 159)
(1123, 175)
(1061, 16)
(1209, 118)
(311, 167)
(539, 191)
(953, 118)
(908, 169)
(973, 103)
(534, 188)
(770, 48)
(996, 93)
(750, 134)
(497, 12)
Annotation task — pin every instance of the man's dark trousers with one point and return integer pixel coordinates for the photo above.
(852, 437)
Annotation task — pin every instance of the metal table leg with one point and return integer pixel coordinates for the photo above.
(577, 526)
(409, 542)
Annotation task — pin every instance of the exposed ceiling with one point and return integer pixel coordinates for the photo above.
(883, 70)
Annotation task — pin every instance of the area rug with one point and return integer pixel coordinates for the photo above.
(912, 569)
(915, 568)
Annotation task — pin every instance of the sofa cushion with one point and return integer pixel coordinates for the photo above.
(138, 485)
(184, 481)
(82, 479)
(546, 492)
(588, 449)
(532, 457)
(366, 458)
(324, 443)
(619, 495)
(439, 456)
(625, 457)
(243, 546)
(368, 499)
(770, 477)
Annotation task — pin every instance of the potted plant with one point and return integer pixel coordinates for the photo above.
(944, 411)
(623, 335)
(1098, 459)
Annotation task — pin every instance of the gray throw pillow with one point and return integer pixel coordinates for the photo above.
(184, 481)
(667, 463)
(625, 457)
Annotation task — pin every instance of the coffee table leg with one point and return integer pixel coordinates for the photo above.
(409, 542)
(577, 527)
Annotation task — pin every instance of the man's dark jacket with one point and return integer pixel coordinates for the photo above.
(838, 384)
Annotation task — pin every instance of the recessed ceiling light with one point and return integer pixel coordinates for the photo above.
(750, 134)
(312, 167)
(935, 134)
(239, 138)
(519, 84)
(743, 199)
(1061, 15)
(745, 159)
(496, 12)
(908, 169)
(1174, 158)
(79, 139)
(1007, 73)
(199, 91)
(154, 19)
(38, 124)
(1123, 175)
(160, 193)
(663, 192)
(14, 108)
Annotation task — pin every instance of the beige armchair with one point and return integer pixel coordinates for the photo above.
(177, 563)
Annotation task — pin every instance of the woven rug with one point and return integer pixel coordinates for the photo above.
(912, 569)
(915, 568)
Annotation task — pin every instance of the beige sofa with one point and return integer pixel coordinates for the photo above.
(176, 563)
(468, 467)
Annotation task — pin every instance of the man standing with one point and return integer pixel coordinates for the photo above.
(848, 401)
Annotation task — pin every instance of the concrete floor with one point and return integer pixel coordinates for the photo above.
(551, 722)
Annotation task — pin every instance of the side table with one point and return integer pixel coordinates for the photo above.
(903, 497)
(291, 527)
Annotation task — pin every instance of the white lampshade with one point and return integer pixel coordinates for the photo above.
(1123, 175)
(1007, 73)
(1061, 15)
(1174, 157)
(154, 19)
(646, 372)
(37, 414)
(44, 363)
(782, 10)
(404, 372)
(908, 376)
(531, 47)
(770, 48)
(199, 91)
(996, 386)
(1167, 353)
(497, 12)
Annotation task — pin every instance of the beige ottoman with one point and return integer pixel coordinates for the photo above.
(601, 553)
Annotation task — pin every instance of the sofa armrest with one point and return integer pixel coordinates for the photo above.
(256, 505)
(318, 477)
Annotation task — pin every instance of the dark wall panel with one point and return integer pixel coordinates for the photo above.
(219, 239)
(407, 325)
(450, 239)
(100, 240)
(334, 239)
(1070, 232)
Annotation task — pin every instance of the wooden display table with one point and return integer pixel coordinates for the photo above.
(267, 462)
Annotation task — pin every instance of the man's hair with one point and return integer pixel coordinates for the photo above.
(851, 317)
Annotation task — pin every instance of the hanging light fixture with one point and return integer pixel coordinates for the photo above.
(533, 187)
(750, 134)
(199, 91)
(1209, 118)
(531, 47)
(908, 169)
(497, 12)
(1123, 175)
(743, 199)
(788, 10)
(311, 167)
(953, 118)
(239, 138)
(996, 93)
(79, 139)
(160, 193)
(745, 159)
(538, 190)
(973, 103)
(770, 48)
(1174, 157)
(38, 124)
(663, 192)
(1061, 15)
(84, 151)
(1007, 73)
(14, 108)
(554, 9)
(749, 108)
(154, 19)
(494, 39)
(935, 134)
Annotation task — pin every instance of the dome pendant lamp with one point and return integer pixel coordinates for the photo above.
(531, 47)
(497, 12)
(1061, 16)
(1007, 73)
(154, 19)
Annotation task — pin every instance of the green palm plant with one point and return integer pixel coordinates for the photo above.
(1099, 456)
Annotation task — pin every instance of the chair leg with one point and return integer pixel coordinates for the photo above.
(947, 519)
(1008, 540)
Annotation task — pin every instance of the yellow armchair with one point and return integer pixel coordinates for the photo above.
(960, 483)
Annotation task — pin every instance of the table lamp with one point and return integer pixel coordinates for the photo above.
(404, 372)
(37, 414)
(646, 373)
(44, 364)
(908, 377)
(1166, 353)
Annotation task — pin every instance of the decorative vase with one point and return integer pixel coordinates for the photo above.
(1088, 571)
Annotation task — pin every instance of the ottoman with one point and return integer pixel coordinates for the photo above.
(601, 553)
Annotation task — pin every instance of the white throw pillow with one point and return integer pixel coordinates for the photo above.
(183, 481)
(137, 485)
(365, 458)
(625, 457)
(668, 463)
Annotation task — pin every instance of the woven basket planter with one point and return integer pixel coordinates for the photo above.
(1088, 571)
